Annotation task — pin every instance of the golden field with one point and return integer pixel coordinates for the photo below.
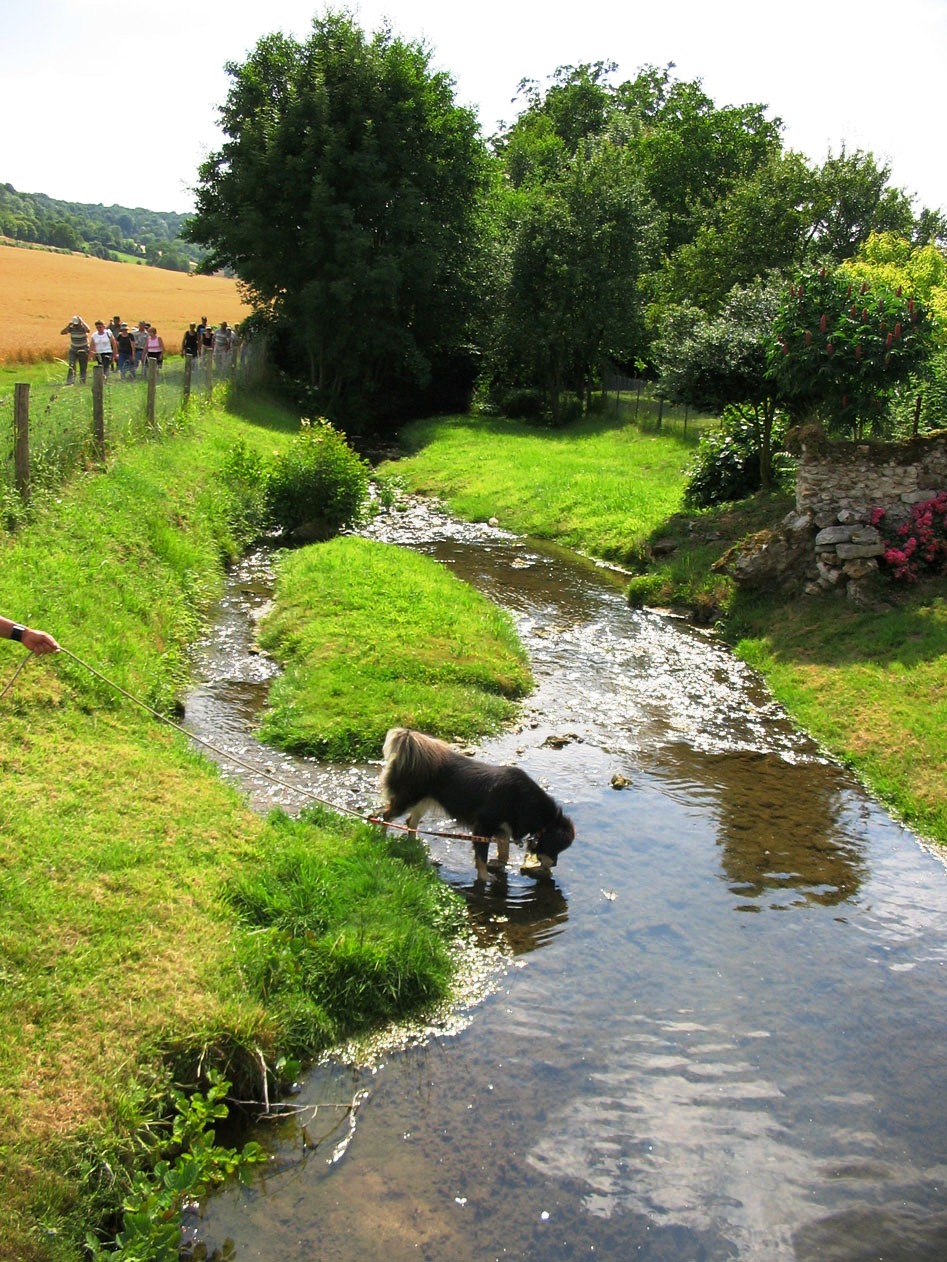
(40, 292)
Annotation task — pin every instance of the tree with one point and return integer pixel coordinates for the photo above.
(839, 349)
(347, 200)
(854, 199)
(720, 362)
(690, 151)
(758, 225)
(570, 255)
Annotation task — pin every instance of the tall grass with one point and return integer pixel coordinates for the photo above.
(124, 965)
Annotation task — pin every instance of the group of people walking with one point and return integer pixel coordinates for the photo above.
(121, 349)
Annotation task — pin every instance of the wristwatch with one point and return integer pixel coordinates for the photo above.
(16, 632)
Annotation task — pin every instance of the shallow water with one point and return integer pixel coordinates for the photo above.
(717, 1033)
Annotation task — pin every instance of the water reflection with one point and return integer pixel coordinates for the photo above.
(782, 827)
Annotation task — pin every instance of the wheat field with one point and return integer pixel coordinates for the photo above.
(40, 292)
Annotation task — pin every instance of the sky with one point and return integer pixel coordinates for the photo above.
(119, 105)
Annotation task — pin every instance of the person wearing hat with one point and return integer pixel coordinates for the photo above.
(126, 352)
(141, 346)
(78, 332)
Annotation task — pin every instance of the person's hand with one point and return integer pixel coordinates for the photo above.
(39, 642)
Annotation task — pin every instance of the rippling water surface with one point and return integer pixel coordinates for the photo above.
(718, 1033)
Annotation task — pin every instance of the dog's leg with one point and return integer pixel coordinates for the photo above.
(481, 850)
(503, 853)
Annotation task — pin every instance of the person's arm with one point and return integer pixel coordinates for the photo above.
(36, 641)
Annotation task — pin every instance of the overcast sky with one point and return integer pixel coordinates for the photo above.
(118, 104)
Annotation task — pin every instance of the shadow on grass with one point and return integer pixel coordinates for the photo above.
(827, 630)
(266, 411)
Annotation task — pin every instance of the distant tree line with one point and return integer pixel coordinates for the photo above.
(401, 260)
(104, 232)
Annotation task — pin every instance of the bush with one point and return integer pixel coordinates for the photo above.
(919, 545)
(244, 474)
(726, 465)
(319, 482)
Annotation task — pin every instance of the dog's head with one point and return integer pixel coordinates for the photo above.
(549, 843)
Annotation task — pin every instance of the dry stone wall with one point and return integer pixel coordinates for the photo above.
(829, 541)
(840, 485)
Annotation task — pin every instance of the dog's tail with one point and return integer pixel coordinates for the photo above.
(412, 755)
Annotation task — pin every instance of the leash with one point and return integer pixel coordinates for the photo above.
(240, 762)
(13, 678)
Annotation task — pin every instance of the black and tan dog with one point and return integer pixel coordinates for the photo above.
(500, 804)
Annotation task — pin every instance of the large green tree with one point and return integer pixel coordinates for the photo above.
(347, 200)
(571, 251)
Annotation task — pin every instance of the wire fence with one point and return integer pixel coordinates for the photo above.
(635, 399)
(49, 429)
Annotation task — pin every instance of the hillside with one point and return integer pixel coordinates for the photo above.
(40, 291)
(103, 232)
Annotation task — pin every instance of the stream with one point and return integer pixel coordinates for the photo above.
(718, 1032)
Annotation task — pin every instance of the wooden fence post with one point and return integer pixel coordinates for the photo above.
(98, 411)
(21, 439)
(152, 392)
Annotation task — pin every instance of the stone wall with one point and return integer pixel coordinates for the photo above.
(839, 485)
(829, 541)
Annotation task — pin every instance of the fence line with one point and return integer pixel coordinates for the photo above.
(49, 429)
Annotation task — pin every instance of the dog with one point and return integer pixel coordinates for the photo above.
(501, 804)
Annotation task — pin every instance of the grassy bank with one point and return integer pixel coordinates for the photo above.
(871, 687)
(151, 923)
(372, 637)
(596, 486)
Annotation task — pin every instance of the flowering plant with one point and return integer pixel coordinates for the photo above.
(920, 543)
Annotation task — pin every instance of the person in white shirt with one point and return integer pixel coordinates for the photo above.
(104, 346)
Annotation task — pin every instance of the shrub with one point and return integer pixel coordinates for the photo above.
(319, 481)
(244, 474)
(918, 545)
(726, 465)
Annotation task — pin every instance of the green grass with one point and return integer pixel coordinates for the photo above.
(599, 486)
(126, 961)
(870, 686)
(374, 636)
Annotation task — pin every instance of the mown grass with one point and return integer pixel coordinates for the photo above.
(128, 952)
(40, 292)
(870, 686)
